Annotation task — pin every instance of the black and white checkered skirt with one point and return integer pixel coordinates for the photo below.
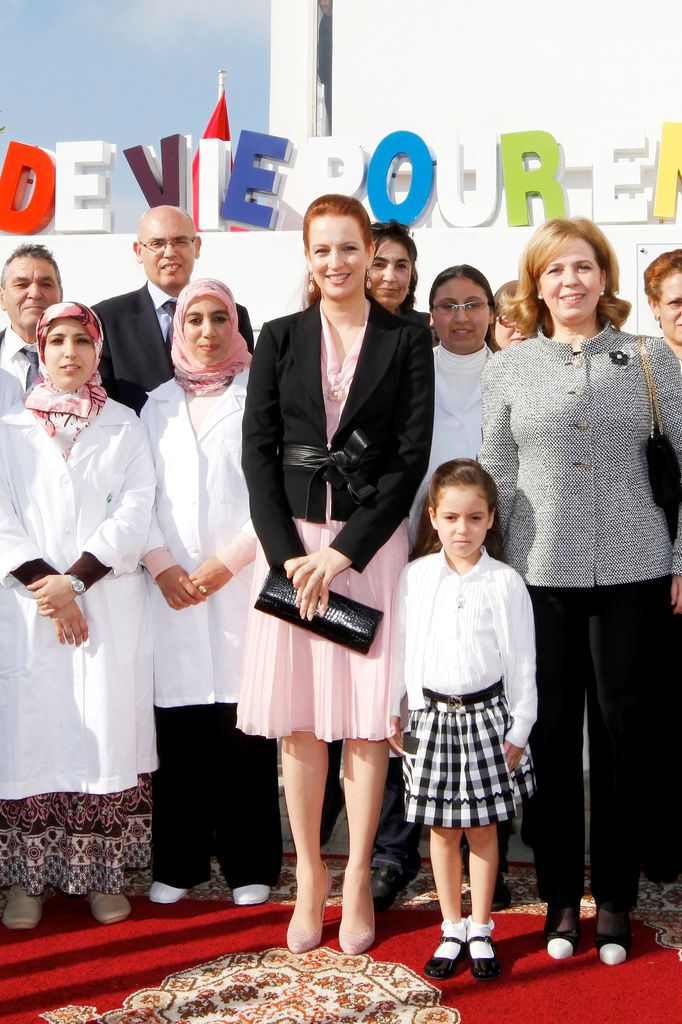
(457, 776)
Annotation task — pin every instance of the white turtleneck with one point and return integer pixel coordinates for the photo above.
(457, 419)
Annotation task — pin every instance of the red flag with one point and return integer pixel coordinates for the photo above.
(218, 127)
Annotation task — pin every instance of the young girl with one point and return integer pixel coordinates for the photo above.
(467, 649)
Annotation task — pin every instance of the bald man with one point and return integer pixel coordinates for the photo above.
(136, 355)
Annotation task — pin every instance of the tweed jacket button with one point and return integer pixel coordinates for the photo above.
(582, 425)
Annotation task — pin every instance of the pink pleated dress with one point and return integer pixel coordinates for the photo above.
(293, 681)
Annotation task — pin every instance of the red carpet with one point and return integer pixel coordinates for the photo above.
(71, 960)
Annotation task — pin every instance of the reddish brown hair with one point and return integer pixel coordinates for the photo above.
(662, 267)
(333, 205)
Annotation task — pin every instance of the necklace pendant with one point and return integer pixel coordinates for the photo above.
(460, 601)
(335, 392)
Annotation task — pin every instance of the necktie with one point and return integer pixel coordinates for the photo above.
(169, 307)
(31, 353)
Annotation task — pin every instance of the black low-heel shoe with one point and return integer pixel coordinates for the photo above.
(484, 968)
(442, 967)
(622, 940)
(572, 936)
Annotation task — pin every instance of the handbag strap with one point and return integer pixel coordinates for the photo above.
(655, 418)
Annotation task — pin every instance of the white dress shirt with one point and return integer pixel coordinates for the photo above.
(460, 634)
(158, 297)
(13, 358)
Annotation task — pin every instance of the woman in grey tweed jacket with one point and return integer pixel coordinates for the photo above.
(565, 423)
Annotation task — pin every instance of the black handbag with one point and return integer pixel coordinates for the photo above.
(662, 461)
(346, 621)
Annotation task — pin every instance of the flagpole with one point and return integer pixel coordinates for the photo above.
(221, 83)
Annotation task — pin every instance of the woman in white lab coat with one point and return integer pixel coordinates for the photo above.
(76, 712)
(216, 789)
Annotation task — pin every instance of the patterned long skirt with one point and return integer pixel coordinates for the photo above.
(76, 842)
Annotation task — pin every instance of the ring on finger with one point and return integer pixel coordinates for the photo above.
(202, 589)
(318, 572)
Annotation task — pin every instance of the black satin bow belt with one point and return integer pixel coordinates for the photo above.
(341, 467)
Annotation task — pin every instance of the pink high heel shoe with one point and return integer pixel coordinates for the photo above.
(303, 942)
(353, 943)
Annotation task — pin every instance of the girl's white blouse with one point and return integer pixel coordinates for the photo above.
(460, 634)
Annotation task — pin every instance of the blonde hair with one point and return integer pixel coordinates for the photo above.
(527, 311)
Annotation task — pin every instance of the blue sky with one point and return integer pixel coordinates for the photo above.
(130, 72)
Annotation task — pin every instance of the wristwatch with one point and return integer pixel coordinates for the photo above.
(77, 585)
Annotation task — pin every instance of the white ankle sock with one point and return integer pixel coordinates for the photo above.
(479, 950)
(454, 929)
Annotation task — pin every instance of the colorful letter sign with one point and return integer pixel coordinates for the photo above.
(250, 180)
(521, 181)
(22, 211)
(389, 154)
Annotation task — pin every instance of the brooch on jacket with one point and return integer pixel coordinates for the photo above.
(619, 358)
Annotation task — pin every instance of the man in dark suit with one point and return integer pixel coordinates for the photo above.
(137, 325)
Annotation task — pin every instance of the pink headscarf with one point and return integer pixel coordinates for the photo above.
(64, 414)
(190, 374)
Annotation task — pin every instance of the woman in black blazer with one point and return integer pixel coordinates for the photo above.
(342, 374)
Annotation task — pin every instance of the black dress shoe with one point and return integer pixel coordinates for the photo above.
(562, 915)
(621, 938)
(442, 967)
(484, 968)
(385, 885)
(502, 896)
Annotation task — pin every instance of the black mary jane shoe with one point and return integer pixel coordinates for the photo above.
(441, 967)
(484, 968)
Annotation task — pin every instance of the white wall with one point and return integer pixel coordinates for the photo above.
(590, 73)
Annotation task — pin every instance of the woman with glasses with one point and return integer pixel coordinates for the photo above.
(462, 317)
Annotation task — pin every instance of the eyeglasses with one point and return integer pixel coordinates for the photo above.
(157, 245)
(468, 307)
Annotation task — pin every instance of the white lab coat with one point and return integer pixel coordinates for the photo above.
(10, 390)
(201, 504)
(75, 719)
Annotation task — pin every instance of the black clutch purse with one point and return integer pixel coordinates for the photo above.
(346, 622)
(664, 469)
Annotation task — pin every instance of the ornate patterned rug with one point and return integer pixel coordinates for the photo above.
(278, 987)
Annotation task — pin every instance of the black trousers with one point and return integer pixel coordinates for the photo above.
(605, 647)
(215, 790)
(397, 840)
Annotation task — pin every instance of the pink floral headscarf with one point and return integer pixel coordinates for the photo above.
(191, 374)
(64, 414)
